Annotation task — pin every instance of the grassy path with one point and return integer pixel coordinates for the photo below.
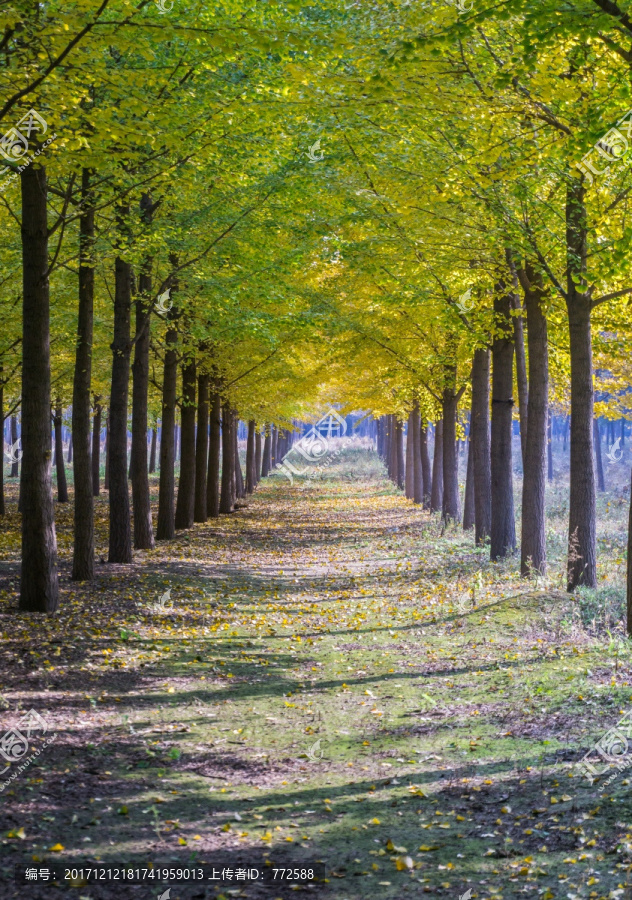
(321, 676)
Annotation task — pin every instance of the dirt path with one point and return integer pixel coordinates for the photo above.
(319, 677)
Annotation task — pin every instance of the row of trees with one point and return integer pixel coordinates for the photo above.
(291, 205)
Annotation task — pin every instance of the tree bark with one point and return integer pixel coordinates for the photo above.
(240, 490)
(521, 376)
(451, 507)
(480, 446)
(426, 468)
(152, 452)
(257, 463)
(274, 447)
(166, 507)
(399, 438)
(468, 502)
(410, 470)
(96, 448)
(250, 457)
(120, 545)
(62, 486)
(212, 482)
(265, 462)
(436, 496)
(186, 484)
(143, 527)
(601, 482)
(418, 483)
(503, 530)
(69, 457)
(582, 553)
(549, 441)
(228, 460)
(15, 465)
(533, 547)
(201, 450)
(106, 476)
(39, 591)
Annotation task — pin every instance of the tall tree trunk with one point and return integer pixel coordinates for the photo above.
(265, 462)
(228, 460)
(152, 452)
(418, 483)
(549, 441)
(533, 547)
(565, 432)
(451, 506)
(257, 463)
(250, 458)
(201, 450)
(96, 448)
(601, 482)
(143, 527)
(480, 446)
(274, 451)
(106, 475)
(521, 376)
(120, 545)
(582, 552)
(468, 502)
(15, 465)
(426, 468)
(212, 481)
(410, 471)
(503, 531)
(69, 457)
(436, 496)
(166, 507)
(39, 591)
(186, 485)
(399, 435)
(240, 490)
(62, 486)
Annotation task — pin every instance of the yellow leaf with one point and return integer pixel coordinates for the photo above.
(375, 821)
(182, 841)
(56, 848)
(18, 833)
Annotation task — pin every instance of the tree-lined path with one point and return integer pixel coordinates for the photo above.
(329, 678)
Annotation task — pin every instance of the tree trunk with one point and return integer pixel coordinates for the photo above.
(106, 475)
(533, 547)
(39, 591)
(480, 446)
(152, 452)
(228, 460)
(143, 527)
(212, 481)
(201, 450)
(257, 463)
(451, 506)
(410, 471)
(15, 465)
(166, 508)
(549, 441)
(62, 486)
(120, 546)
(399, 439)
(601, 482)
(503, 530)
(265, 462)
(521, 376)
(582, 555)
(468, 502)
(436, 496)
(274, 451)
(69, 457)
(240, 490)
(250, 458)
(426, 469)
(418, 483)
(186, 484)
(96, 448)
